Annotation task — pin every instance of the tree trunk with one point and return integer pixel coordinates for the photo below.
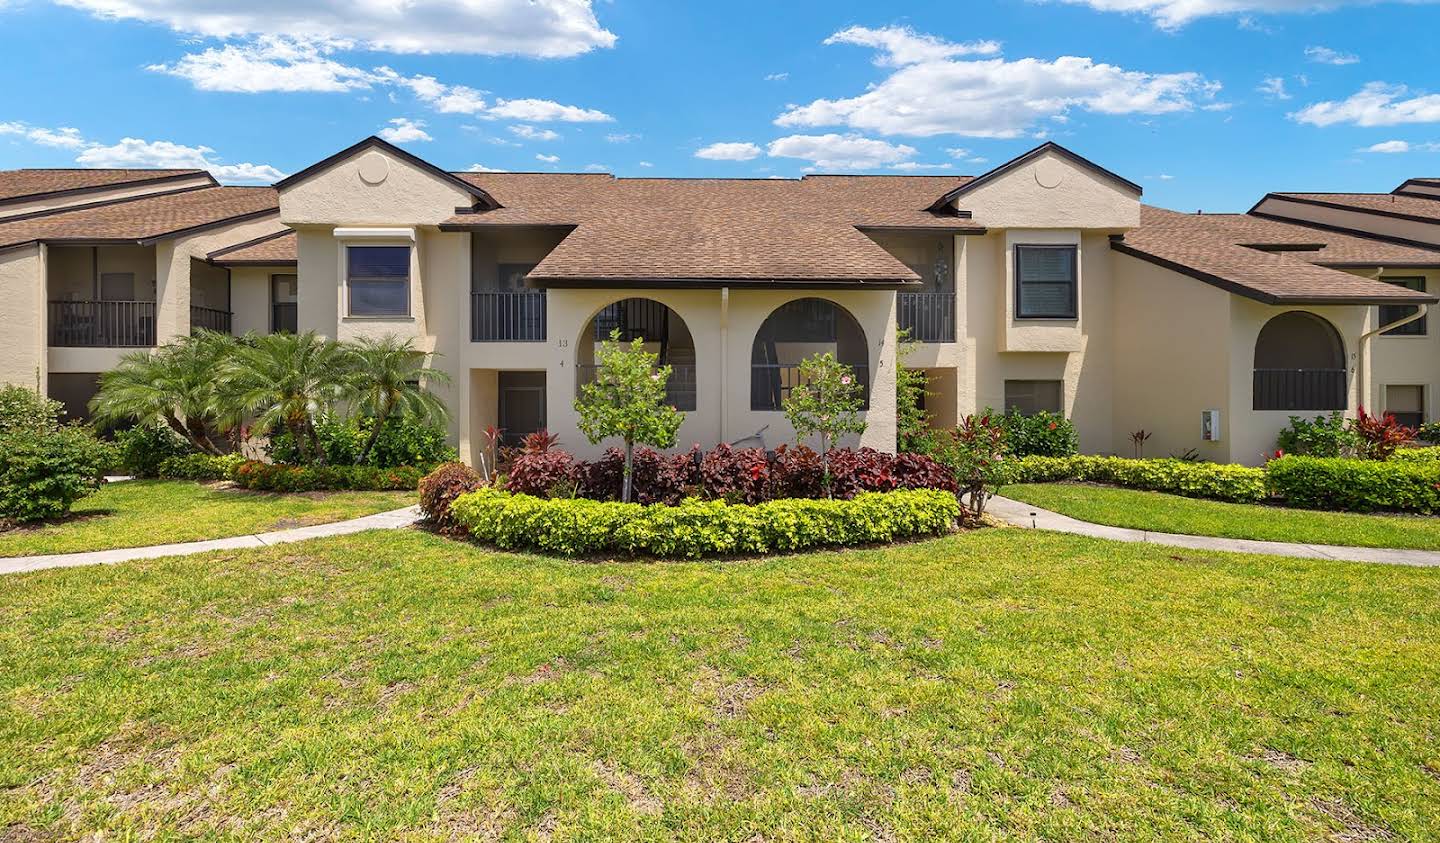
(629, 454)
(374, 435)
(319, 452)
(200, 437)
(297, 433)
(825, 464)
(182, 431)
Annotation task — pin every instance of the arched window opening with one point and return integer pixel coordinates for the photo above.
(663, 332)
(795, 331)
(1299, 364)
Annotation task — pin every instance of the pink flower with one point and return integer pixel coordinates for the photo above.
(845, 379)
(655, 377)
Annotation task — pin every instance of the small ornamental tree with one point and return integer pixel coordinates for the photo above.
(627, 399)
(976, 454)
(827, 401)
(913, 433)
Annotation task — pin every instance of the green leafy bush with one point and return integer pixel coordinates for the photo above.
(1323, 436)
(1357, 485)
(1043, 434)
(1180, 477)
(201, 467)
(144, 447)
(695, 528)
(1416, 455)
(25, 410)
(401, 442)
(277, 477)
(1429, 432)
(43, 473)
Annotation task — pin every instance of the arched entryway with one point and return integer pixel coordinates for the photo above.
(795, 331)
(1299, 364)
(660, 328)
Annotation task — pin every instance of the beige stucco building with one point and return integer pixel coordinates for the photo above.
(1042, 284)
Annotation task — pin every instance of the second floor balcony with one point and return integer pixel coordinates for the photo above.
(101, 324)
(210, 319)
(507, 316)
(927, 317)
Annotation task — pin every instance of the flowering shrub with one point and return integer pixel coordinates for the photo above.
(440, 488)
(1378, 437)
(1042, 434)
(695, 528)
(277, 477)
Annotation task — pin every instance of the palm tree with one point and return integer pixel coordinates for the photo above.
(286, 380)
(387, 378)
(174, 385)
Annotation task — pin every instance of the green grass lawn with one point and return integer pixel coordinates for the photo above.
(1162, 513)
(143, 512)
(1001, 683)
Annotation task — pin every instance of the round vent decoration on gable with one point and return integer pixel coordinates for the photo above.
(373, 168)
(1049, 173)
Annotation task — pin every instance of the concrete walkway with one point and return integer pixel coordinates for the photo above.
(1024, 515)
(394, 519)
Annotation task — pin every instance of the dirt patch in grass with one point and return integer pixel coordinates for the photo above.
(1353, 829)
(640, 799)
(1280, 760)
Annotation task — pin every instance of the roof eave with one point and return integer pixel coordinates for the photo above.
(673, 282)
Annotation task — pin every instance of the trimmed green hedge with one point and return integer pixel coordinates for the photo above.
(275, 477)
(200, 467)
(695, 528)
(1222, 482)
(1416, 455)
(1357, 485)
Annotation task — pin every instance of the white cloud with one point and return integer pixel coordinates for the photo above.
(548, 159)
(840, 152)
(481, 168)
(646, 164)
(539, 28)
(1165, 177)
(446, 99)
(1325, 55)
(1273, 87)
(1394, 147)
(531, 133)
(776, 77)
(729, 152)
(916, 165)
(1173, 14)
(135, 152)
(64, 137)
(270, 63)
(405, 130)
(899, 45)
(596, 168)
(1376, 104)
(545, 111)
(621, 137)
(995, 98)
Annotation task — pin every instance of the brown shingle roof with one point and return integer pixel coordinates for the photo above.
(1389, 204)
(1220, 249)
(145, 218)
(274, 249)
(758, 230)
(26, 184)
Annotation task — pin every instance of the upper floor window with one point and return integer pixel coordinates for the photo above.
(1395, 312)
(1046, 282)
(378, 278)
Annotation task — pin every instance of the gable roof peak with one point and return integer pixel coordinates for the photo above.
(1027, 157)
(374, 142)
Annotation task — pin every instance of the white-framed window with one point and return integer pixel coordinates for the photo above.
(377, 280)
(1030, 397)
(1047, 281)
(1395, 312)
(1407, 403)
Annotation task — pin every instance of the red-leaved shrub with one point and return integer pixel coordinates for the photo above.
(440, 488)
(737, 476)
(796, 473)
(541, 473)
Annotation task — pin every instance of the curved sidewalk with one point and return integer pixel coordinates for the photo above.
(394, 519)
(1024, 515)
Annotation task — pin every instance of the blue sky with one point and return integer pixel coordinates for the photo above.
(1207, 103)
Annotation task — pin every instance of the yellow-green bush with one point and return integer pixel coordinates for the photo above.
(694, 528)
(1224, 482)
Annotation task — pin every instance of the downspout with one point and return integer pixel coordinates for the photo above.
(1364, 351)
(724, 362)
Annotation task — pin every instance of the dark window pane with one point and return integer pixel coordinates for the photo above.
(1395, 312)
(1030, 397)
(1045, 282)
(380, 298)
(379, 261)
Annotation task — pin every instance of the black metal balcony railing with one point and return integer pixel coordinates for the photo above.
(209, 319)
(1299, 389)
(645, 319)
(102, 324)
(679, 390)
(771, 383)
(507, 316)
(928, 317)
(284, 318)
